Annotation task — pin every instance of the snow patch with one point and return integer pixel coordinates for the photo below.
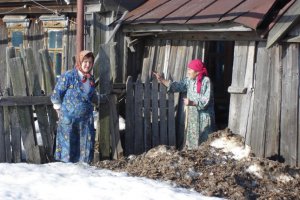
(284, 178)
(238, 150)
(255, 169)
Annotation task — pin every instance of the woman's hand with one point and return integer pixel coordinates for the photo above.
(161, 79)
(158, 76)
(188, 102)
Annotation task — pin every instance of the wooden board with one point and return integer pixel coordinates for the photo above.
(274, 104)
(49, 84)
(248, 84)
(289, 105)
(163, 115)
(258, 126)
(155, 125)
(11, 121)
(139, 146)
(24, 113)
(129, 137)
(238, 77)
(147, 116)
(104, 111)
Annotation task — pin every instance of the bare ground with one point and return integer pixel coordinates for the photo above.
(213, 172)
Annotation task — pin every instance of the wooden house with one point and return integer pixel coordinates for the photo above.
(251, 58)
(48, 24)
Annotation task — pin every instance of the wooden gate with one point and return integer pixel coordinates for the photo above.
(150, 116)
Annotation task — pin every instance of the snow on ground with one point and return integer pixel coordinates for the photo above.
(232, 145)
(57, 181)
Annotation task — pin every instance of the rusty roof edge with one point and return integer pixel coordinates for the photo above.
(284, 23)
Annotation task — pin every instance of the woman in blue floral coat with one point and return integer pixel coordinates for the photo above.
(72, 99)
(200, 102)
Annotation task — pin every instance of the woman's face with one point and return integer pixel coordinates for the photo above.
(192, 74)
(87, 64)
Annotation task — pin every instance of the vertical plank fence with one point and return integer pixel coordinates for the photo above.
(150, 116)
(21, 97)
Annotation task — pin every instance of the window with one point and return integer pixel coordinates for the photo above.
(54, 29)
(17, 26)
(55, 48)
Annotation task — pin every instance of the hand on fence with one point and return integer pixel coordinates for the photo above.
(158, 76)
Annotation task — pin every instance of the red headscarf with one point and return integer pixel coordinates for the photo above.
(198, 66)
(79, 60)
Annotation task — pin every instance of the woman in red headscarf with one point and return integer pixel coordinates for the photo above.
(200, 102)
(72, 99)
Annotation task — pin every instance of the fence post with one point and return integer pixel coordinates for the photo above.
(138, 117)
(129, 137)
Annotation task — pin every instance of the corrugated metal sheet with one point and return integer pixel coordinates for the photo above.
(246, 12)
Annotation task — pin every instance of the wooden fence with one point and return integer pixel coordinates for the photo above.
(23, 102)
(150, 116)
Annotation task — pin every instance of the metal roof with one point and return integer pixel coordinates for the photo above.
(249, 13)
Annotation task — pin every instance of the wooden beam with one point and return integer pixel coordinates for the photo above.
(284, 24)
(237, 90)
(223, 27)
(25, 100)
(209, 36)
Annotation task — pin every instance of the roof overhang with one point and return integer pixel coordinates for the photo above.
(169, 28)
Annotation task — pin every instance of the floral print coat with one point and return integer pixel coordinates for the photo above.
(75, 132)
(200, 118)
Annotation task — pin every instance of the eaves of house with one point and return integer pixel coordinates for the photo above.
(206, 15)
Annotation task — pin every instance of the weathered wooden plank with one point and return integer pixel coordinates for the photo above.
(49, 79)
(48, 83)
(104, 111)
(171, 120)
(147, 116)
(273, 115)
(15, 136)
(117, 150)
(146, 63)
(41, 110)
(155, 127)
(25, 100)
(258, 126)
(248, 84)
(289, 105)
(238, 76)
(2, 138)
(139, 146)
(11, 128)
(129, 135)
(167, 58)
(163, 115)
(24, 113)
(160, 56)
(173, 57)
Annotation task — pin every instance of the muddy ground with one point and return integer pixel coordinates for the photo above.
(227, 172)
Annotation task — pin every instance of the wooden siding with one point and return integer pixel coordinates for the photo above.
(268, 116)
